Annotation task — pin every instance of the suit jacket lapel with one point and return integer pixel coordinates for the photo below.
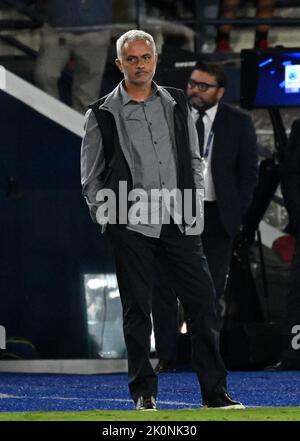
(219, 128)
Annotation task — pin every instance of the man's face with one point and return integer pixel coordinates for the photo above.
(137, 62)
(203, 90)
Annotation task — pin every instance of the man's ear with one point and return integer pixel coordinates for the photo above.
(221, 92)
(118, 64)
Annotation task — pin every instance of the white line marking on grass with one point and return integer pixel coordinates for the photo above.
(119, 400)
(179, 403)
(189, 406)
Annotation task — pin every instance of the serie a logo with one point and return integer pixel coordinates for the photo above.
(2, 337)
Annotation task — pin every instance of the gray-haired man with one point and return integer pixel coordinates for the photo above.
(143, 135)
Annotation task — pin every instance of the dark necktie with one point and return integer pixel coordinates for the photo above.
(201, 130)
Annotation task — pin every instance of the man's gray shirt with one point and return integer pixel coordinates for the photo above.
(152, 152)
(137, 141)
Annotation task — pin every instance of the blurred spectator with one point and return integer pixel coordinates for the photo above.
(208, 10)
(158, 17)
(228, 9)
(79, 30)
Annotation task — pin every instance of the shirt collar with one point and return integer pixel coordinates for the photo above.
(210, 113)
(127, 99)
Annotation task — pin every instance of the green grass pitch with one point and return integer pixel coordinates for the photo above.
(249, 414)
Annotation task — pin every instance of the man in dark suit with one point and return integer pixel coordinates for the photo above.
(227, 143)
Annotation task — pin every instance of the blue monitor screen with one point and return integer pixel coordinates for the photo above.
(272, 78)
(279, 80)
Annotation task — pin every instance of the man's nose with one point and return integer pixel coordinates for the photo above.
(140, 62)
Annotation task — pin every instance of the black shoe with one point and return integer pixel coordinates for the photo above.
(223, 402)
(164, 366)
(146, 403)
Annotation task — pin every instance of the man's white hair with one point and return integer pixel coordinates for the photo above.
(133, 35)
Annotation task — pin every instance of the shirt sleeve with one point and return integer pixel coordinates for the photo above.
(92, 162)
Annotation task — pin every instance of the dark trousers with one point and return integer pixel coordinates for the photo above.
(165, 316)
(217, 246)
(182, 259)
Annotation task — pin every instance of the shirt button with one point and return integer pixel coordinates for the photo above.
(160, 162)
(155, 142)
(163, 183)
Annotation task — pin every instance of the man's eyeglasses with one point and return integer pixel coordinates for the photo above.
(203, 87)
